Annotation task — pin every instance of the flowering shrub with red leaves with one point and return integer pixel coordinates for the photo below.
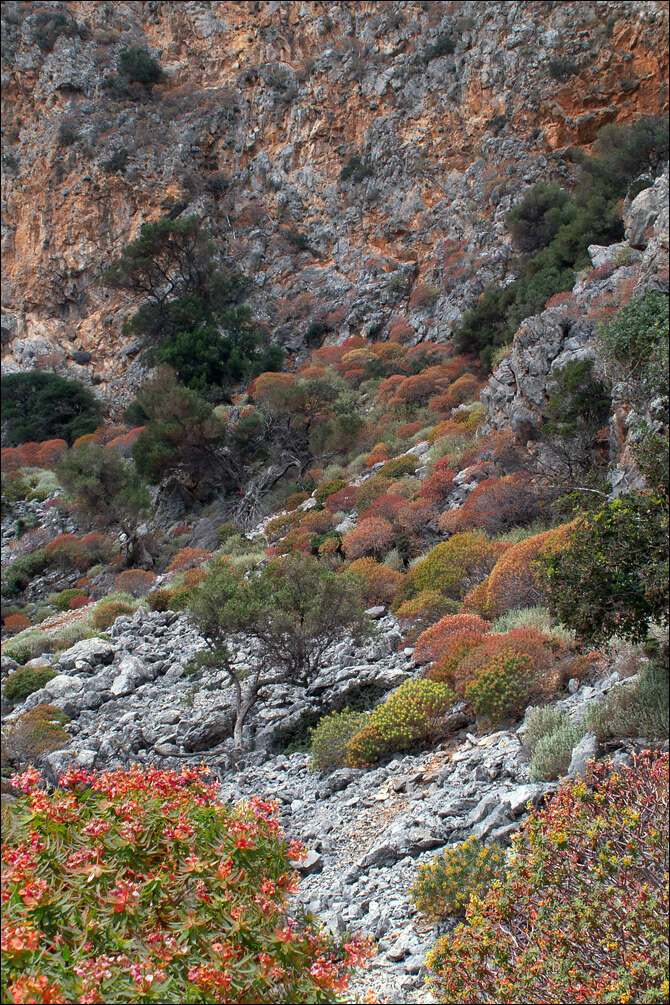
(385, 506)
(580, 915)
(431, 644)
(142, 886)
(81, 600)
(377, 455)
(495, 505)
(342, 500)
(136, 582)
(372, 536)
(32, 455)
(67, 551)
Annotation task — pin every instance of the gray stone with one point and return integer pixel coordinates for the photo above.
(376, 612)
(312, 863)
(585, 751)
(210, 733)
(91, 651)
(643, 212)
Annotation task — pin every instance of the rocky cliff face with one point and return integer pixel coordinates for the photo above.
(518, 391)
(452, 110)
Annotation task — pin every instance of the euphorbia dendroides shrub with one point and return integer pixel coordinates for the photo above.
(580, 915)
(142, 886)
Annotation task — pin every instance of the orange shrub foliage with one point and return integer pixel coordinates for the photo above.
(99, 547)
(388, 387)
(189, 558)
(274, 390)
(280, 525)
(378, 454)
(409, 429)
(295, 499)
(456, 648)
(547, 660)
(423, 295)
(379, 582)
(50, 451)
(514, 582)
(431, 644)
(317, 521)
(439, 483)
(463, 390)
(136, 582)
(400, 330)
(124, 442)
(16, 623)
(193, 576)
(330, 546)
(418, 614)
(297, 540)
(495, 505)
(372, 536)
(82, 441)
(385, 506)
(67, 551)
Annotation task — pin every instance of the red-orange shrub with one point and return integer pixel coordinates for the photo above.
(418, 614)
(495, 505)
(79, 601)
(409, 429)
(432, 643)
(380, 583)
(415, 516)
(342, 501)
(514, 581)
(454, 566)
(385, 506)
(136, 582)
(378, 454)
(16, 623)
(317, 521)
(99, 547)
(50, 451)
(439, 483)
(67, 551)
(546, 660)
(370, 490)
(373, 536)
(188, 558)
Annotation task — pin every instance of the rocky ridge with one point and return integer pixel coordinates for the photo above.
(453, 111)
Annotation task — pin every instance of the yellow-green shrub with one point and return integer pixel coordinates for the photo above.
(414, 714)
(330, 736)
(502, 688)
(444, 886)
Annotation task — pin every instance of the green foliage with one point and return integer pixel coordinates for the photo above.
(553, 751)
(537, 219)
(19, 573)
(636, 342)
(117, 162)
(412, 716)
(580, 913)
(399, 466)
(578, 406)
(454, 566)
(329, 738)
(106, 919)
(26, 645)
(24, 681)
(107, 611)
(635, 709)
(192, 319)
(139, 67)
(612, 576)
(444, 45)
(328, 488)
(107, 488)
(556, 231)
(562, 68)
(42, 406)
(501, 688)
(540, 722)
(444, 886)
(61, 600)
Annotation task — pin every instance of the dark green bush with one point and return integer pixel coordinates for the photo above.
(20, 572)
(49, 24)
(562, 68)
(567, 226)
(139, 67)
(25, 680)
(43, 406)
(444, 45)
(636, 341)
(356, 169)
(117, 162)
